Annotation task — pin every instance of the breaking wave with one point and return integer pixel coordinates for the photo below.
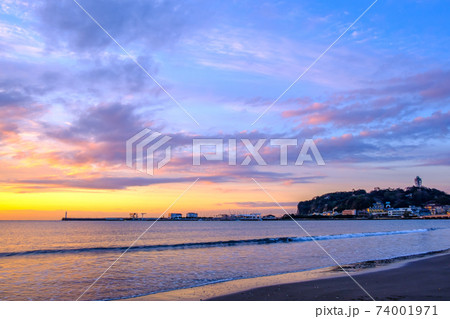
(242, 242)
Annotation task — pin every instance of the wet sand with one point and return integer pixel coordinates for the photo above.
(294, 286)
(423, 279)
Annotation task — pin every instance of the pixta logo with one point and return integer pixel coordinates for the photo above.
(146, 140)
(252, 151)
(141, 149)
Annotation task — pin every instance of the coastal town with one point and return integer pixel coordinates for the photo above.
(380, 210)
(191, 216)
(416, 202)
(412, 202)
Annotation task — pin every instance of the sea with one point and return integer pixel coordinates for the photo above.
(63, 260)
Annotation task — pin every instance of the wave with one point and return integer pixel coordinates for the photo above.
(241, 242)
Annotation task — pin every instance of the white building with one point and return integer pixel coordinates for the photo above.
(398, 212)
(255, 216)
(175, 216)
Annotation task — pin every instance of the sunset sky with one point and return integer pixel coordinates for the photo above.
(376, 104)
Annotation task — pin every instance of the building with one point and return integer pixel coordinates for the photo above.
(176, 216)
(226, 217)
(424, 212)
(441, 209)
(377, 209)
(254, 216)
(415, 210)
(399, 212)
(418, 181)
(191, 215)
(349, 212)
(431, 207)
(362, 213)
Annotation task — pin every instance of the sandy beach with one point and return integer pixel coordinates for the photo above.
(423, 279)
(418, 277)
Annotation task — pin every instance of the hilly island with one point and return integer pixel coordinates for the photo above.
(410, 202)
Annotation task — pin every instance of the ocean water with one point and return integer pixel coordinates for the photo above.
(55, 260)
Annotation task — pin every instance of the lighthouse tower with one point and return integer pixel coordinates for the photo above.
(418, 181)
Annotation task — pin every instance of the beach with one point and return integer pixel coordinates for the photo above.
(416, 277)
(187, 260)
(423, 279)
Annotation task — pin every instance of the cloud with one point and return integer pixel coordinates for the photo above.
(152, 24)
(437, 125)
(437, 160)
(122, 182)
(98, 134)
(263, 204)
(108, 74)
(101, 123)
(408, 140)
(17, 42)
(70, 98)
(110, 183)
(381, 104)
(16, 109)
(12, 98)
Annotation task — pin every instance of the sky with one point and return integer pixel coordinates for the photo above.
(376, 104)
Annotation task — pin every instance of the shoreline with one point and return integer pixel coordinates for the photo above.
(233, 289)
(212, 219)
(415, 280)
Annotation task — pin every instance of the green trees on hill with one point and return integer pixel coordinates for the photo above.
(360, 199)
